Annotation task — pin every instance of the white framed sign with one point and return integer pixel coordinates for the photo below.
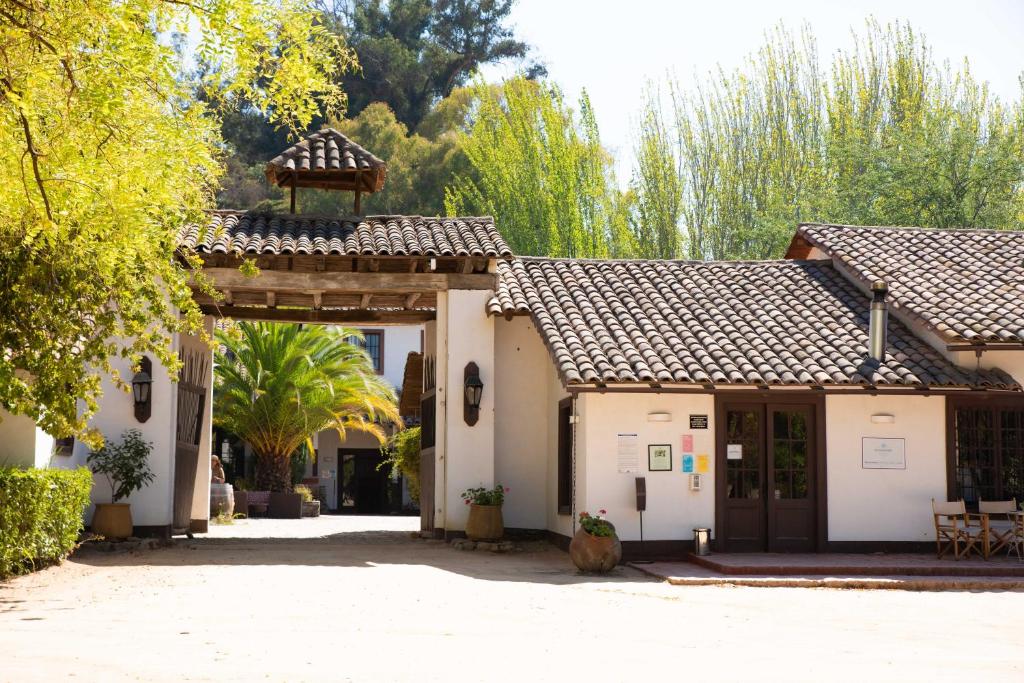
(734, 451)
(883, 454)
(628, 453)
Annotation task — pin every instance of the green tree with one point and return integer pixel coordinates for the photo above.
(886, 137)
(912, 142)
(540, 168)
(657, 186)
(416, 52)
(276, 385)
(403, 455)
(107, 156)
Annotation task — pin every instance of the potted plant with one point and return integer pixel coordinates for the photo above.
(126, 468)
(310, 505)
(485, 522)
(595, 547)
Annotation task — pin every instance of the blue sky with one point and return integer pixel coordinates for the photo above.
(611, 48)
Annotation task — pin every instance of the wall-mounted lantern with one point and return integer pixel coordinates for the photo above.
(473, 391)
(142, 385)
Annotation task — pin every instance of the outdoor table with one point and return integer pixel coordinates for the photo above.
(1016, 519)
(1017, 542)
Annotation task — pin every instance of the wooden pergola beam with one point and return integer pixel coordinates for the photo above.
(400, 283)
(305, 315)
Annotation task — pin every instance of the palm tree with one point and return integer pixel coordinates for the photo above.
(277, 385)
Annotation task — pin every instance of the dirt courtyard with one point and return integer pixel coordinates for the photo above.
(372, 605)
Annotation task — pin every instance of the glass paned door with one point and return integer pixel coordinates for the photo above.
(768, 482)
(791, 510)
(744, 467)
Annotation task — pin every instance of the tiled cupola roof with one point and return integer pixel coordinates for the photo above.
(328, 160)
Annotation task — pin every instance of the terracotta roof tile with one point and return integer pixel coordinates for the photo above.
(751, 323)
(966, 285)
(242, 232)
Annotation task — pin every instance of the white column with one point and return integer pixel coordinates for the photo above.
(468, 451)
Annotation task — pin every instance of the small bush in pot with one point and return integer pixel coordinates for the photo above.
(310, 505)
(595, 547)
(126, 468)
(485, 522)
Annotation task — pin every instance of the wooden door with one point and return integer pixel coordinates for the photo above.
(428, 430)
(742, 460)
(791, 508)
(189, 431)
(767, 483)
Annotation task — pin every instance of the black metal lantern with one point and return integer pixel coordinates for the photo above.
(142, 385)
(473, 391)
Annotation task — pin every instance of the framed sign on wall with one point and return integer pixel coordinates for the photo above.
(659, 457)
(883, 454)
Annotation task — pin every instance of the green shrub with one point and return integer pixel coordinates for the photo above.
(40, 516)
(303, 490)
(404, 456)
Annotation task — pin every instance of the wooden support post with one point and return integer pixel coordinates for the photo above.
(411, 299)
(357, 209)
(227, 297)
(364, 302)
(293, 193)
(318, 297)
(271, 299)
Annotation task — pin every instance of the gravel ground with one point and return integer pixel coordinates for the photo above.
(379, 606)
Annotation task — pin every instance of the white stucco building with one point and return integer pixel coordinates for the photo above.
(748, 396)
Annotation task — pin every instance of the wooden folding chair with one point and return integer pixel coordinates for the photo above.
(1017, 540)
(1000, 522)
(953, 527)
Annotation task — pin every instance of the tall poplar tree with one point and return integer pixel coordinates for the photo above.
(885, 136)
(540, 168)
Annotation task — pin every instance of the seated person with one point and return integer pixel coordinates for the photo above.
(218, 476)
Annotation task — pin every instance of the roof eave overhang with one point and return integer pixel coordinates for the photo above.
(847, 389)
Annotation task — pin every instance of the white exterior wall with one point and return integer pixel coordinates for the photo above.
(1011, 362)
(672, 509)
(526, 417)
(152, 505)
(22, 444)
(468, 452)
(884, 505)
(399, 341)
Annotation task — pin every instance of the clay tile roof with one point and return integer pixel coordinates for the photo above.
(240, 232)
(965, 285)
(747, 323)
(327, 159)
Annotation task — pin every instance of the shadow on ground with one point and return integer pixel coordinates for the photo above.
(533, 561)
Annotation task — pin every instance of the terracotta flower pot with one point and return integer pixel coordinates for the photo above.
(597, 554)
(485, 523)
(112, 520)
